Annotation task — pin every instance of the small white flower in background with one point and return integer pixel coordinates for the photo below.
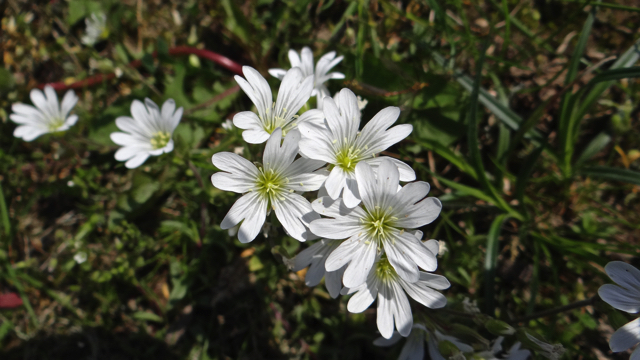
(96, 27)
(338, 142)
(147, 133)
(321, 74)
(515, 353)
(470, 307)
(413, 349)
(271, 186)
(626, 297)
(227, 125)
(384, 283)
(381, 224)
(315, 257)
(362, 103)
(47, 116)
(80, 257)
(292, 95)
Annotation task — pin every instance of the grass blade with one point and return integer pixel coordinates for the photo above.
(610, 173)
(4, 213)
(491, 262)
(525, 173)
(598, 143)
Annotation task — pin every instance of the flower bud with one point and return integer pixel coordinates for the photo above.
(500, 328)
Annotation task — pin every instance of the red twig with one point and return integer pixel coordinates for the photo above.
(179, 50)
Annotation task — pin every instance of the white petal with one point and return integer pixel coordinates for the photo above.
(393, 303)
(277, 73)
(365, 295)
(333, 281)
(406, 172)
(302, 177)
(335, 208)
(422, 293)
(306, 60)
(315, 143)
(294, 58)
(279, 158)
(620, 298)
(347, 102)
(68, 102)
(28, 112)
(250, 208)
(257, 89)
(635, 355)
(294, 92)
(136, 160)
(416, 250)
(433, 245)
(351, 194)
(388, 342)
(247, 120)
(335, 182)
(255, 136)
(420, 214)
(432, 346)
(312, 116)
(127, 152)
(342, 255)
(145, 125)
(71, 120)
(294, 212)
(336, 229)
(626, 337)
(124, 139)
(28, 132)
(129, 125)
(401, 261)
(434, 281)
(377, 126)
(362, 260)
(624, 275)
(230, 182)
(413, 349)
(235, 164)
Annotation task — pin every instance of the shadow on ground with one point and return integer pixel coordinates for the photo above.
(91, 344)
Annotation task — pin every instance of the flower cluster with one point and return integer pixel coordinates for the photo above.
(367, 223)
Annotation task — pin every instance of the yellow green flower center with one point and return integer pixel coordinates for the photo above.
(160, 139)
(55, 124)
(384, 270)
(379, 224)
(279, 120)
(347, 158)
(270, 184)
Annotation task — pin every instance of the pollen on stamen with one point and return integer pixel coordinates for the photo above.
(301, 184)
(334, 141)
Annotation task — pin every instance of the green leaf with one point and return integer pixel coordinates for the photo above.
(79, 9)
(147, 316)
(4, 213)
(616, 74)
(524, 175)
(490, 263)
(610, 173)
(598, 143)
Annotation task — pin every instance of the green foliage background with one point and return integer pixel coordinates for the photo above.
(525, 118)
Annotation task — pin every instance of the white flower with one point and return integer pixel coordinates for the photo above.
(362, 103)
(293, 94)
(339, 143)
(515, 353)
(47, 116)
(80, 257)
(393, 306)
(148, 132)
(315, 257)
(413, 349)
(379, 225)
(227, 125)
(271, 186)
(321, 74)
(626, 297)
(96, 26)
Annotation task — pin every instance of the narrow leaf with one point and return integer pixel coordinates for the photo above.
(491, 262)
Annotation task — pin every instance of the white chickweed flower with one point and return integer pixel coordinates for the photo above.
(338, 142)
(80, 257)
(624, 296)
(96, 28)
(271, 186)
(321, 74)
(227, 125)
(384, 283)
(315, 257)
(294, 92)
(47, 116)
(148, 132)
(381, 224)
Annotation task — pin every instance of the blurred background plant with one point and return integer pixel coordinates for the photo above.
(525, 118)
